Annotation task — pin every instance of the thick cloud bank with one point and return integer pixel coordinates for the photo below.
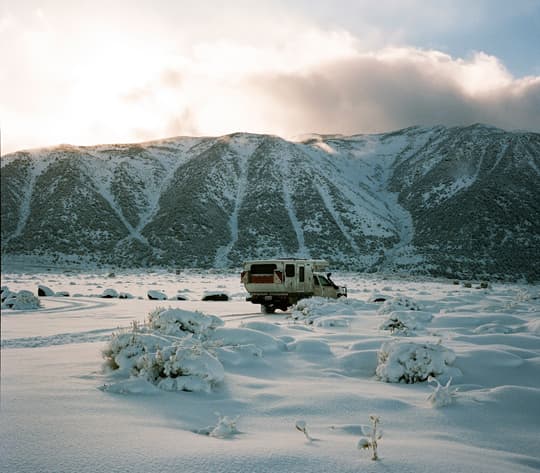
(401, 87)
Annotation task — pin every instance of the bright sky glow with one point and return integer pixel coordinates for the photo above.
(93, 72)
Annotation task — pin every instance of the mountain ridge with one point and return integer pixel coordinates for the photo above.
(459, 201)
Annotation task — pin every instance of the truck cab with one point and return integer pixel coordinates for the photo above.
(281, 283)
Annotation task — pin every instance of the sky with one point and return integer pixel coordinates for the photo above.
(86, 73)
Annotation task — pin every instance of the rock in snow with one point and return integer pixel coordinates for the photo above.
(22, 300)
(109, 294)
(44, 291)
(156, 295)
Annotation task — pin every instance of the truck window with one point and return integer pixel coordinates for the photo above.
(289, 270)
(263, 268)
(324, 281)
(315, 281)
(301, 274)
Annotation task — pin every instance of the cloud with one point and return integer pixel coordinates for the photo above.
(75, 76)
(399, 87)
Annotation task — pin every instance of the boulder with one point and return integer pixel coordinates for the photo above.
(44, 291)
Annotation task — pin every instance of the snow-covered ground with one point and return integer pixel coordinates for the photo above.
(325, 366)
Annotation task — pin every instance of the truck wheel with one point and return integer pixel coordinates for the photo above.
(268, 309)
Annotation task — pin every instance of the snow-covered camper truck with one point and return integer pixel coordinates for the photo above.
(280, 283)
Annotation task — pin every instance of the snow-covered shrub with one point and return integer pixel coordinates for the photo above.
(399, 303)
(171, 351)
(180, 322)
(124, 349)
(22, 300)
(315, 309)
(407, 362)
(5, 293)
(441, 395)
(62, 294)
(184, 366)
(405, 323)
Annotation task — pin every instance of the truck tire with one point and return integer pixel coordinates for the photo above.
(268, 308)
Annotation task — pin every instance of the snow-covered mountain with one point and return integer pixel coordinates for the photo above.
(461, 201)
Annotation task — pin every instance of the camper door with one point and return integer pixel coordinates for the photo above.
(292, 275)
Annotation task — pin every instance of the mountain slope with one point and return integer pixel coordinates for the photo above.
(461, 201)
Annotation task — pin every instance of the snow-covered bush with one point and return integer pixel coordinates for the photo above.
(22, 300)
(399, 303)
(125, 347)
(405, 323)
(407, 362)
(441, 395)
(180, 322)
(184, 366)
(314, 309)
(171, 351)
(5, 293)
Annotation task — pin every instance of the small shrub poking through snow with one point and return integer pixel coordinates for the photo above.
(441, 395)
(225, 427)
(372, 436)
(302, 427)
(407, 362)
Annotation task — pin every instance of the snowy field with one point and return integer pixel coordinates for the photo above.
(76, 398)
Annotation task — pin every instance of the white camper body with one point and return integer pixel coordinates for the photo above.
(280, 283)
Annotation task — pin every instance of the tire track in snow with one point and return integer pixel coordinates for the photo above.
(69, 304)
(91, 336)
